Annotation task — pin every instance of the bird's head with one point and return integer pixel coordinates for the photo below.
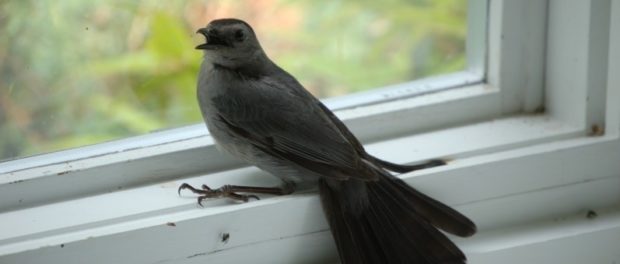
(230, 42)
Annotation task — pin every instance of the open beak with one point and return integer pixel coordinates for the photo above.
(212, 40)
(205, 45)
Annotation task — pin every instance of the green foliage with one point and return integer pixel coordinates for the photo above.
(80, 72)
(375, 43)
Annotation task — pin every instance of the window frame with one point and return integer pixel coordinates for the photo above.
(528, 191)
(162, 152)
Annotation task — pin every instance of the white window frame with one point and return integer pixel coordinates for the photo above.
(536, 182)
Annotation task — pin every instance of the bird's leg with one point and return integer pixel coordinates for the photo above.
(232, 191)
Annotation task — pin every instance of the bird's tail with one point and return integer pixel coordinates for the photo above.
(387, 221)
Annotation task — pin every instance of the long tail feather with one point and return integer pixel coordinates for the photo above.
(387, 221)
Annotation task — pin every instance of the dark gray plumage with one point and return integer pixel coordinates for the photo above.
(258, 112)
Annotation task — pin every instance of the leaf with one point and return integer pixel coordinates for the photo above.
(168, 37)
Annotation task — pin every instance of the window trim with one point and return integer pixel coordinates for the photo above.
(192, 151)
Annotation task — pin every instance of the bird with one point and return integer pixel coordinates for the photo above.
(261, 114)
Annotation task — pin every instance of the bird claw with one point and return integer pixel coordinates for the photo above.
(200, 199)
(225, 191)
(185, 186)
(252, 196)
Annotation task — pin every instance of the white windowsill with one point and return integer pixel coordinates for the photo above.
(482, 153)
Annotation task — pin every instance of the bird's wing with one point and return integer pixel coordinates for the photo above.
(285, 122)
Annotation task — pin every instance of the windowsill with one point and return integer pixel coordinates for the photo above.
(533, 242)
(478, 181)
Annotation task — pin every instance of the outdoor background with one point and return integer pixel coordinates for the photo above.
(76, 72)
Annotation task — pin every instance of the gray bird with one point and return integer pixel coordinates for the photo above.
(261, 114)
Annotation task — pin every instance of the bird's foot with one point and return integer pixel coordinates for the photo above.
(206, 192)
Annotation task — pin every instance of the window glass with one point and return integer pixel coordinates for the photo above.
(80, 72)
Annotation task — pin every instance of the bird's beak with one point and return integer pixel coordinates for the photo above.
(205, 45)
(213, 40)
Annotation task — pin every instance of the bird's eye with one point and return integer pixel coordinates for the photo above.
(239, 35)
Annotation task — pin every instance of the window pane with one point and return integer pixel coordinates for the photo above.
(80, 72)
